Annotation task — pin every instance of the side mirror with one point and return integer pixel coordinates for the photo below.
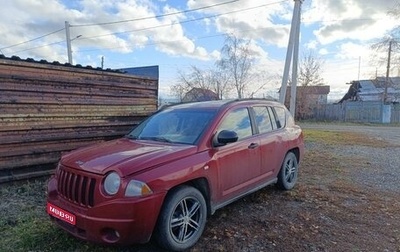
(226, 136)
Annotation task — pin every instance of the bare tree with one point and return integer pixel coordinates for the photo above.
(395, 12)
(213, 80)
(236, 62)
(310, 69)
(179, 91)
(220, 83)
(197, 78)
(233, 72)
(387, 43)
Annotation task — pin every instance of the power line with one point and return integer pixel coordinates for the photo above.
(153, 43)
(340, 20)
(154, 27)
(116, 22)
(32, 39)
(157, 16)
(182, 22)
(148, 28)
(36, 47)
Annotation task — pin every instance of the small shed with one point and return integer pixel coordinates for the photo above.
(200, 94)
(307, 99)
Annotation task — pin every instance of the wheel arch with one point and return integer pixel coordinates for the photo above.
(200, 184)
(296, 152)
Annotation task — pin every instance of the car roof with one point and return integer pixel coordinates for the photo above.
(222, 103)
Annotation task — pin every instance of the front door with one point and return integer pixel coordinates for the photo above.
(239, 163)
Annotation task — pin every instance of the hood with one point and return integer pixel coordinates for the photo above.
(126, 155)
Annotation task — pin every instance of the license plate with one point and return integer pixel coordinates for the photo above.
(61, 214)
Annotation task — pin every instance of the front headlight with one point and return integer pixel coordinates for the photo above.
(137, 188)
(112, 183)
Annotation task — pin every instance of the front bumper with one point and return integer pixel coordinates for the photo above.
(118, 221)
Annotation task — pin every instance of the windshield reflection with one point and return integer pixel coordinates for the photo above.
(174, 126)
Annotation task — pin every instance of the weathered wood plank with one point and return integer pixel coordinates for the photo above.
(14, 97)
(73, 89)
(57, 135)
(47, 109)
(27, 124)
(56, 81)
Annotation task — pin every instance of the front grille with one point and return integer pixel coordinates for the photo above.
(76, 188)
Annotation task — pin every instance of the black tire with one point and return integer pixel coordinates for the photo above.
(182, 219)
(287, 176)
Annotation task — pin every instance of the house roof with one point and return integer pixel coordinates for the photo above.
(200, 94)
(373, 90)
(319, 90)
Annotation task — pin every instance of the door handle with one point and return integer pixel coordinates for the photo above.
(253, 146)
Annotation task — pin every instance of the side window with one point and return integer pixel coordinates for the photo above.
(239, 121)
(281, 117)
(263, 119)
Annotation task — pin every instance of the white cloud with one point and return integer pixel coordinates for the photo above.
(349, 19)
(339, 30)
(312, 44)
(323, 51)
(124, 37)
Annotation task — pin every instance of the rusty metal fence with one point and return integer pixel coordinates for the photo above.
(47, 109)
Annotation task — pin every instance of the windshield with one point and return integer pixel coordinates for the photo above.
(174, 125)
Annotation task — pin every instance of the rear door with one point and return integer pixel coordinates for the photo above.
(270, 141)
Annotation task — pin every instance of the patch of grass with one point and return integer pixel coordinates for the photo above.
(40, 234)
(25, 225)
(342, 138)
(348, 123)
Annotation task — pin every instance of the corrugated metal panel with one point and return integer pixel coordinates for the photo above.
(47, 109)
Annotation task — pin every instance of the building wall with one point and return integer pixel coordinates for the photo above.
(307, 99)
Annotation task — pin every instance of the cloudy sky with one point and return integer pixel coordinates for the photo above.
(177, 34)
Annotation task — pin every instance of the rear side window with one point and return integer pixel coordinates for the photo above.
(281, 117)
(238, 121)
(263, 119)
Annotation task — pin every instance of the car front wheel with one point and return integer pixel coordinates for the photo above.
(287, 176)
(182, 219)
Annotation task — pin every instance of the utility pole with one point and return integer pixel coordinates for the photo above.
(293, 88)
(387, 72)
(69, 50)
(293, 44)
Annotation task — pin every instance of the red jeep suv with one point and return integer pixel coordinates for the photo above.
(173, 170)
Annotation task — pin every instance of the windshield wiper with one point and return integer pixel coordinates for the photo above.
(155, 138)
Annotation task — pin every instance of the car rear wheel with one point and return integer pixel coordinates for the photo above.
(182, 219)
(287, 176)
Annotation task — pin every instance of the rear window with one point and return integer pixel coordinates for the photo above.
(263, 119)
(281, 117)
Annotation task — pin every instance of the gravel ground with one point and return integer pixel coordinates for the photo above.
(382, 169)
(346, 200)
